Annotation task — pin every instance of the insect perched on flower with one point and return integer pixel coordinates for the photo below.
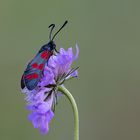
(35, 68)
(41, 83)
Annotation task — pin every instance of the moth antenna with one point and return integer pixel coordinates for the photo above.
(52, 27)
(60, 29)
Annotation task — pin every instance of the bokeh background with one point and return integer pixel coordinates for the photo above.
(107, 90)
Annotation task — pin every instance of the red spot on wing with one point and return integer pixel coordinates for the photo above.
(41, 66)
(35, 65)
(35, 75)
(45, 55)
(31, 76)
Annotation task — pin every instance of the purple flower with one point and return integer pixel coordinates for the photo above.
(61, 64)
(41, 114)
(42, 100)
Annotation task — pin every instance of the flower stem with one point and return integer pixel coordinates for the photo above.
(75, 110)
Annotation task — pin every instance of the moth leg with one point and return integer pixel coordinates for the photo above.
(56, 50)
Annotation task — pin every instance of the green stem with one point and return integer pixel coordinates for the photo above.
(75, 110)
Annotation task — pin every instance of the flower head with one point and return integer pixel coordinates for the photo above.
(42, 100)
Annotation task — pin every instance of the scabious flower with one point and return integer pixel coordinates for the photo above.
(42, 100)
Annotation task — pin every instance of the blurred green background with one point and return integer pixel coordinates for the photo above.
(108, 88)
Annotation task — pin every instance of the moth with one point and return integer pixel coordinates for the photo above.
(35, 68)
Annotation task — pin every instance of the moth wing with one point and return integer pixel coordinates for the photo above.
(32, 75)
(31, 78)
(22, 84)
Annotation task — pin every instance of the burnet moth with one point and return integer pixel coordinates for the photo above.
(35, 68)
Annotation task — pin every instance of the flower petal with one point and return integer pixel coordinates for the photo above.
(77, 52)
(44, 125)
(48, 77)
